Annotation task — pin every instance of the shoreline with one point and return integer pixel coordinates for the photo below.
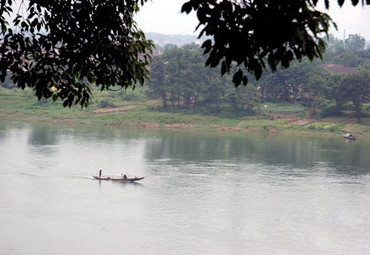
(21, 106)
(270, 128)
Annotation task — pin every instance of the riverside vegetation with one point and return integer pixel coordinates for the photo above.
(309, 96)
(133, 108)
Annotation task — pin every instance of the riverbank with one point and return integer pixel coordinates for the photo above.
(21, 106)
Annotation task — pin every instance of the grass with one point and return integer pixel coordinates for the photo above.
(283, 108)
(22, 105)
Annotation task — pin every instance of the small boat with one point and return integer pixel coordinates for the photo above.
(349, 136)
(118, 178)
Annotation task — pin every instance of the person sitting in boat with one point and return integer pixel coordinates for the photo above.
(100, 173)
(124, 176)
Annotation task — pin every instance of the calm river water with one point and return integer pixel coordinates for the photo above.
(203, 193)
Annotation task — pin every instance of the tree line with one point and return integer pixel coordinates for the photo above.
(61, 48)
(181, 81)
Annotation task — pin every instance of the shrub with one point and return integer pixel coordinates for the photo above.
(367, 108)
(316, 126)
(132, 95)
(330, 111)
(348, 107)
(106, 104)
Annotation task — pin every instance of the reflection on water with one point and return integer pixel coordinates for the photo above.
(203, 193)
(287, 151)
(42, 135)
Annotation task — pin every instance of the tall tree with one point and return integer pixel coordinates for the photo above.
(350, 87)
(333, 44)
(333, 90)
(258, 34)
(60, 47)
(288, 84)
(356, 88)
(180, 76)
(60, 44)
(314, 89)
(158, 80)
(355, 43)
(242, 100)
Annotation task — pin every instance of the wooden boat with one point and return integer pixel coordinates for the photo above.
(349, 136)
(118, 178)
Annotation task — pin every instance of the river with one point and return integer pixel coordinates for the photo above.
(203, 193)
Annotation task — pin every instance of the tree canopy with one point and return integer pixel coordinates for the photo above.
(60, 47)
(181, 82)
(257, 35)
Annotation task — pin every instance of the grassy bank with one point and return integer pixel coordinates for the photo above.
(107, 110)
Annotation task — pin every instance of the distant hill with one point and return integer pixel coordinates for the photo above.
(163, 39)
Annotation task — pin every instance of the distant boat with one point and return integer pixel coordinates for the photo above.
(349, 136)
(118, 178)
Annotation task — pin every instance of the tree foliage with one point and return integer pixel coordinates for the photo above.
(356, 88)
(344, 88)
(355, 42)
(181, 81)
(289, 85)
(260, 34)
(60, 47)
(349, 52)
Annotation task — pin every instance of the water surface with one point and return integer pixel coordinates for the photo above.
(203, 193)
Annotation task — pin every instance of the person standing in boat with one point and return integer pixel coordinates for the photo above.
(100, 173)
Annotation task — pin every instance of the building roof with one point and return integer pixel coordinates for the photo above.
(334, 68)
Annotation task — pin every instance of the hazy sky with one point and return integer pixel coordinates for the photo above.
(163, 16)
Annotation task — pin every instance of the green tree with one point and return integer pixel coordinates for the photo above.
(213, 96)
(356, 88)
(180, 77)
(351, 87)
(273, 86)
(333, 90)
(355, 43)
(60, 45)
(158, 80)
(59, 48)
(365, 65)
(259, 34)
(242, 100)
(349, 52)
(314, 89)
(192, 76)
(334, 45)
(288, 84)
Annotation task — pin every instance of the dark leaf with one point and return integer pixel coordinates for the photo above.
(237, 78)
(326, 4)
(186, 7)
(65, 103)
(340, 2)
